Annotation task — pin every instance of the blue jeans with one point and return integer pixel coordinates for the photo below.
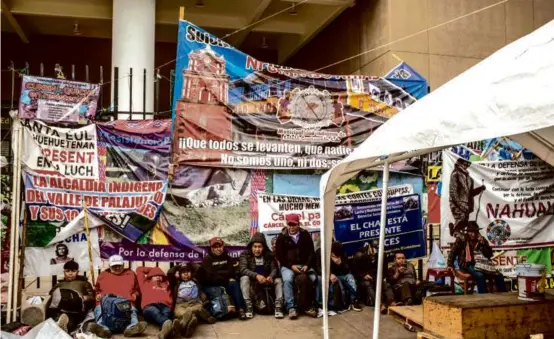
(157, 313)
(233, 290)
(347, 288)
(481, 281)
(288, 276)
(100, 321)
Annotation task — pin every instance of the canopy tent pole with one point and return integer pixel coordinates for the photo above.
(376, 312)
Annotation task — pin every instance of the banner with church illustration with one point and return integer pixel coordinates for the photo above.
(232, 110)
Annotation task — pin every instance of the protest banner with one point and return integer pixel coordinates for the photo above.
(272, 208)
(128, 208)
(135, 149)
(512, 201)
(60, 151)
(57, 100)
(506, 261)
(232, 110)
(357, 224)
(47, 261)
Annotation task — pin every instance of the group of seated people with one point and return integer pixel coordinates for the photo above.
(267, 281)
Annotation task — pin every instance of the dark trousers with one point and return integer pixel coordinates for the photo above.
(156, 313)
(405, 291)
(481, 280)
(368, 295)
(233, 290)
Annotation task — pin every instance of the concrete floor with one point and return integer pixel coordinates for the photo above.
(350, 325)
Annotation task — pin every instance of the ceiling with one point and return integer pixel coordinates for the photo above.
(285, 32)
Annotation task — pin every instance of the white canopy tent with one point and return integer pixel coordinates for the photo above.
(508, 94)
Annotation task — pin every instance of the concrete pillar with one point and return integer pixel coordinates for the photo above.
(133, 42)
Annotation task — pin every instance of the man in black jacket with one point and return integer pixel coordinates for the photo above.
(218, 271)
(295, 252)
(257, 266)
(364, 269)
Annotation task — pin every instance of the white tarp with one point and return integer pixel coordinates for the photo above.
(507, 94)
(512, 201)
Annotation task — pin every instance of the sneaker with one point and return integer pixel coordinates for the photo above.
(312, 312)
(332, 313)
(62, 322)
(167, 330)
(319, 312)
(177, 327)
(355, 306)
(99, 330)
(135, 330)
(279, 312)
(191, 327)
(249, 312)
(293, 314)
(242, 314)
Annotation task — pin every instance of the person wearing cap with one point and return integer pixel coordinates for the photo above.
(464, 250)
(156, 299)
(189, 300)
(123, 283)
(257, 269)
(217, 271)
(364, 269)
(71, 299)
(295, 252)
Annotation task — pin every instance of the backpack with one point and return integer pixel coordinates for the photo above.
(67, 300)
(305, 291)
(116, 313)
(264, 302)
(219, 305)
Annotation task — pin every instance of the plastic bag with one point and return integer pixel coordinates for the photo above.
(46, 330)
(436, 259)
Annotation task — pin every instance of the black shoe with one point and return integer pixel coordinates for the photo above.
(99, 331)
(242, 314)
(355, 306)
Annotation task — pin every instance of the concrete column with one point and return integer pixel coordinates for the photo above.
(133, 42)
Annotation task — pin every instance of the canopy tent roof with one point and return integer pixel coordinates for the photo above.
(507, 94)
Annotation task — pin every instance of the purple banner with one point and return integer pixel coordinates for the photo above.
(135, 252)
(136, 150)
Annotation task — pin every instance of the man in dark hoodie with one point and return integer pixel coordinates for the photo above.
(218, 271)
(258, 267)
(72, 298)
(341, 274)
(156, 299)
(122, 282)
(295, 252)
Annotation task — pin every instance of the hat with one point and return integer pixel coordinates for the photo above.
(293, 219)
(215, 240)
(472, 227)
(116, 260)
(71, 265)
(185, 268)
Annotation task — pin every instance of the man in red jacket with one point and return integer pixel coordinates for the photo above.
(156, 299)
(123, 283)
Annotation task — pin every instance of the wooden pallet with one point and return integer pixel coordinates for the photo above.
(423, 335)
(410, 316)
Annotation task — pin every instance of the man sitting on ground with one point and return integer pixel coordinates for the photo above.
(72, 298)
(403, 278)
(340, 272)
(465, 249)
(121, 282)
(218, 271)
(258, 268)
(295, 252)
(156, 299)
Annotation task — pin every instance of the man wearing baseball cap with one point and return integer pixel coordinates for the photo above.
(295, 252)
(217, 271)
(122, 282)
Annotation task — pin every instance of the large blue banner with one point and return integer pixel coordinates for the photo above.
(358, 224)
